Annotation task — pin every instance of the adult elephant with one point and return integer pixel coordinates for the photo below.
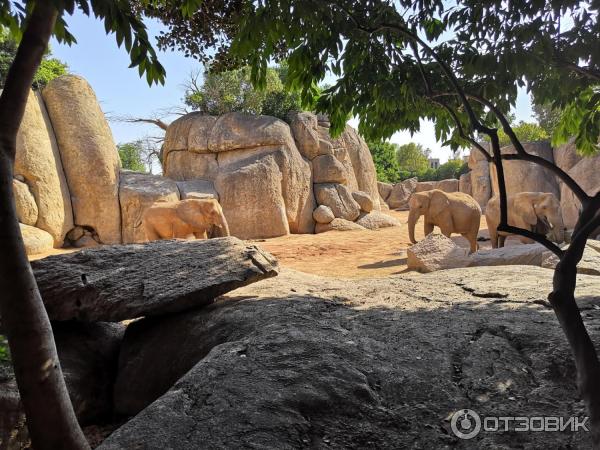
(185, 219)
(453, 212)
(534, 211)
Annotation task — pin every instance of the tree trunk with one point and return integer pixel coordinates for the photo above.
(50, 417)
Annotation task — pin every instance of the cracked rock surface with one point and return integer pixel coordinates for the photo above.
(115, 283)
(300, 361)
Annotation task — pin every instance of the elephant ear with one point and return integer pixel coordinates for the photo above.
(526, 212)
(191, 212)
(438, 204)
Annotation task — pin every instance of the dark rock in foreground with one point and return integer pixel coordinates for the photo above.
(308, 362)
(115, 283)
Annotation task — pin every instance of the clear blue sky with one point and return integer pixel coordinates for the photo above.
(121, 92)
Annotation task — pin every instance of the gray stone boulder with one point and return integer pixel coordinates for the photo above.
(511, 255)
(338, 224)
(115, 283)
(376, 220)
(589, 264)
(197, 189)
(449, 185)
(426, 186)
(88, 153)
(585, 174)
(523, 176)
(327, 169)
(364, 200)
(137, 192)
(401, 192)
(302, 361)
(27, 210)
(88, 354)
(385, 189)
(464, 184)
(436, 252)
(323, 214)
(339, 198)
(481, 184)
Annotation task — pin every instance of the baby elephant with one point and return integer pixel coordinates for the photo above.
(534, 211)
(452, 212)
(185, 219)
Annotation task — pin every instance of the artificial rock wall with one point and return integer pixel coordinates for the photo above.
(270, 177)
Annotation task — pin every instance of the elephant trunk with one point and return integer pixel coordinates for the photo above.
(558, 228)
(413, 217)
(221, 228)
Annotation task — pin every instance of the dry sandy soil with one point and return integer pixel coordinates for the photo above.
(351, 254)
(343, 254)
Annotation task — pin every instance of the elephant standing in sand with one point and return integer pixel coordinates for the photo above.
(185, 219)
(453, 212)
(534, 211)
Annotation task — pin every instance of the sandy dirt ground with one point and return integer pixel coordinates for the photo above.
(352, 254)
(344, 254)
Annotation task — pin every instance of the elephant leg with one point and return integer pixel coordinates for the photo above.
(446, 230)
(472, 238)
(501, 240)
(493, 236)
(151, 234)
(200, 234)
(427, 228)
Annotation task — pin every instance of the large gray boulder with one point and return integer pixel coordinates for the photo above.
(481, 184)
(38, 163)
(137, 192)
(376, 220)
(263, 183)
(308, 362)
(585, 173)
(88, 154)
(115, 283)
(523, 176)
(339, 198)
(400, 194)
(436, 252)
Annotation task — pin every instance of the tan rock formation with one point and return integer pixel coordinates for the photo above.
(339, 198)
(38, 161)
(522, 176)
(337, 224)
(137, 192)
(88, 154)
(36, 240)
(27, 210)
(400, 194)
(323, 214)
(364, 200)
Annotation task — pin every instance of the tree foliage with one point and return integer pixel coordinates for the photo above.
(232, 90)
(413, 158)
(526, 132)
(49, 69)
(386, 161)
(131, 156)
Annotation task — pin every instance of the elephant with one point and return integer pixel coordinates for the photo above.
(534, 211)
(185, 219)
(453, 212)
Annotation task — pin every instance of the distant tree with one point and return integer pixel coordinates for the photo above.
(451, 169)
(547, 118)
(525, 132)
(413, 158)
(131, 156)
(386, 162)
(49, 69)
(232, 90)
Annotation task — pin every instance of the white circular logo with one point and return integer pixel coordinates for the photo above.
(465, 423)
